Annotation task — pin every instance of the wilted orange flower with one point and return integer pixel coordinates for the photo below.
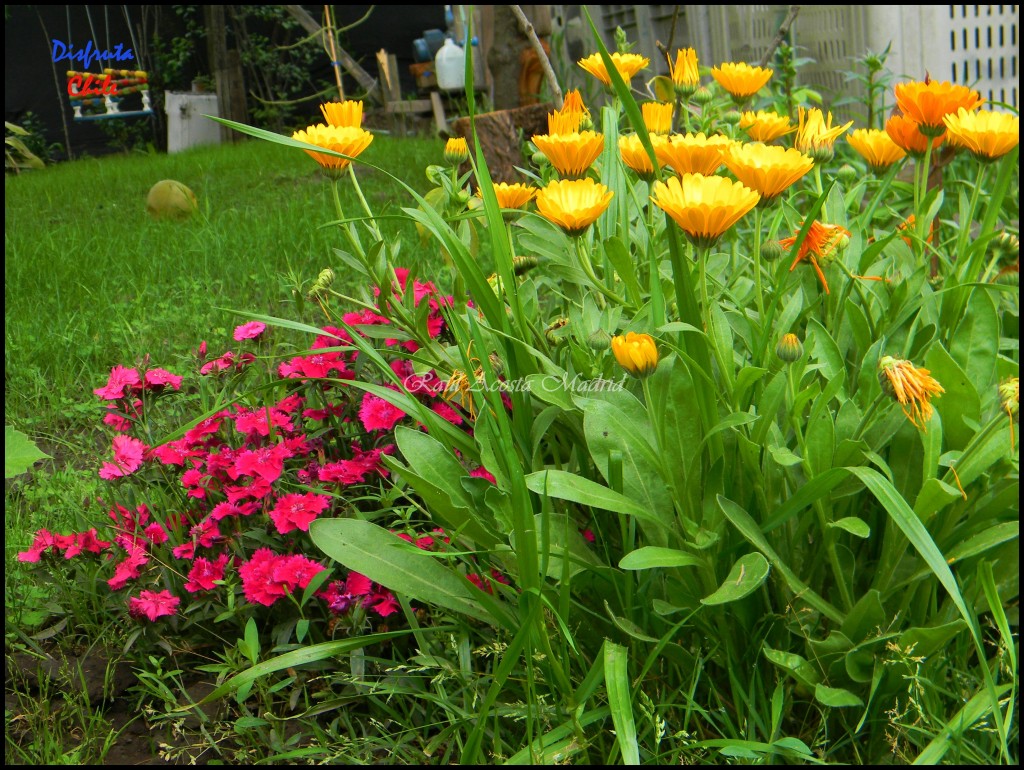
(635, 156)
(512, 196)
(766, 126)
(740, 79)
(913, 388)
(628, 64)
(571, 154)
(987, 135)
(928, 102)
(684, 71)
(636, 353)
(573, 205)
(906, 135)
(816, 135)
(657, 117)
(342, 114)
(704, 207)
(693, 153)
(876, 147)
(909, 225)
(820, 244)
(768, 169)
(348, 140)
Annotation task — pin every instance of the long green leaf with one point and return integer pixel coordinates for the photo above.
(616, 679)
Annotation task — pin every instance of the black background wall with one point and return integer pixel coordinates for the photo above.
(34, 83)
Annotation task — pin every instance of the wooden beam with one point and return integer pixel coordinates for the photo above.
(312, 26)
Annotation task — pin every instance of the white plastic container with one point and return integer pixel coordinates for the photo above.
(186, 126)
(450, 66)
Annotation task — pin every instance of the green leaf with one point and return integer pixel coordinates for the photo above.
(960, 399)
(364, 547)
(803, 671)
(568, 486)
(853, 525)
(20, 453)
(252, 641)
(974, 345)
(836, 697)
(651, 557)
(745, 577)
(616, 679)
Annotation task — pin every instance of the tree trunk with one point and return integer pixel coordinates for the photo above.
(500, 138)
(227, 69)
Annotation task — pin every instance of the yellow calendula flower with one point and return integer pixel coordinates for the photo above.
(628, 64)
(693, 153)
(913, 388)
(636, 353)
(987, 135)
(740, 79)
(512, 196)
(683, 71)
(876, 147)
(657, 117)
(456, 151)
(815, 135)
(767, 169)
(342, 114)
(348, 140)
(704, 207)
(635, 156)
(765, 125)
(573, 205)
(573, 102)
(928, 102)
(564, 122)
(570, 154)
(905, 134)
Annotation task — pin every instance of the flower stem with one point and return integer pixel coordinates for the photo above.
(759, 296)
(372, 224)
(346, 227)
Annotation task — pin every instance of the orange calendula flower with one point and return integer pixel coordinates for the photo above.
(512, 196)
(912, 388)
(906, 135)
(704, 207)
(636, 353)
(909, 225)
(635, 156)
(348, 140)
(987, 135)
(766, 126)
(342, 114)
(456, 151)
(657, 117)
(816, 135)
(693, 153)
(876, 147)
(573, 205)
(768, 169)
(740, 79)
(928, 102)
(684, 71)
(570, 154)
(820, 244)
(561, 123)
(628, 64)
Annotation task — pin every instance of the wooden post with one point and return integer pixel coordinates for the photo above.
(227, 69)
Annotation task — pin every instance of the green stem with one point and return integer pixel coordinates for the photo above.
(868, 415)
(965, 227)
(920, 193)
(880, 195)
(371, 225)
(588, 269)
(759, 297)
(346, 227)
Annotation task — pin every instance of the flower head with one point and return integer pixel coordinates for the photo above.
(906, 135)
(767, 169)
(657, 117)
(693, 153)
(456, 151)
(573, 205)
(816, 135)
(128, 457)
(928, 102)
(987, 135)
(343, 114)
(571, 154)
(766, 126)
(250, 330)
(636, 353)
(153, 604)
(876, 147)
(298, 511)
(704, 207)
(740, 79)
(789, 348)
(818, 247)
(635, 156)
(684, 71)
(911, 387)
(628, 64)
(348, 140)
(512, 196)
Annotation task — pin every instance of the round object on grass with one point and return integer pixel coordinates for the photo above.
(169, 199)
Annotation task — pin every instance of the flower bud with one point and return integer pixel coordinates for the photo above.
(599, 340)
(790, 348)
(846, 173)
(702, 95)
(322, 283)
(524, 264)
(557, 331)
(732, 117)
(821, 154)
(456, 151)
(1006, 248)
(540, 159)
(636, 353)
(772, 251)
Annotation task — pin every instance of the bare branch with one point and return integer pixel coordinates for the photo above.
(542, 56)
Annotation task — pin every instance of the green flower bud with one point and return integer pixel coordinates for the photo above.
(321, 284)
(522, 265)
(846, 173)
(599, 340)
(822, 154)
(540, 159)
(702, 95)
(557, 331)
(732, 117)
(772, 251)
(790, 348)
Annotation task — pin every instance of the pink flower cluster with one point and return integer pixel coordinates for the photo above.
(124, 389)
